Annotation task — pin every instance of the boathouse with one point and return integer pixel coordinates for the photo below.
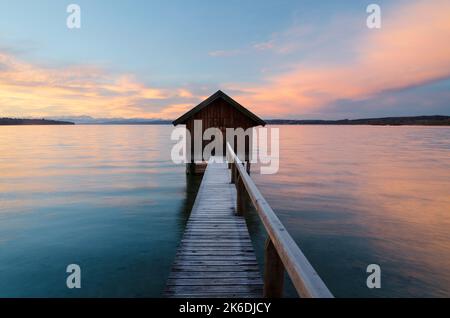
(222, 112)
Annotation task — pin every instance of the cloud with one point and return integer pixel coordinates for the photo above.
(307, 70)
(173, 111)
(226, 53)
(31, 90)
(287, 41)
(278, 42)
(411, 49)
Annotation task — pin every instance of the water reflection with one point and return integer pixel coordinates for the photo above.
(105, 197)
(110, 199)
(352, 196)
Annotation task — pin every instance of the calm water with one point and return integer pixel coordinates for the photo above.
(109, 199)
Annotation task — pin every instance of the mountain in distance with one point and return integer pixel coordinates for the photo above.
(88, 120)
(436, 120)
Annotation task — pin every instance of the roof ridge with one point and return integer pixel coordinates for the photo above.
(182, 119)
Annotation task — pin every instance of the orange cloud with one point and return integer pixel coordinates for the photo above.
(173, 111)
(411, 49)
(31, 90)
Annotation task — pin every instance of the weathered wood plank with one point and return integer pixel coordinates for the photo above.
(214, 281)
(215, 288)
(216, 268)
(215, 252)
(238, 256)
(238, 274)
(184, 262)
(213, 241)
(216, 230)
(214, 245)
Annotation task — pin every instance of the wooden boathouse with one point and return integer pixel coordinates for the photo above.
(215, 257)
(222, 112)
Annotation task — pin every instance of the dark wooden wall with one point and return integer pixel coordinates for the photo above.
(220, 114)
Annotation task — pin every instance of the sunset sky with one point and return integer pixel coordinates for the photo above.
(280, 58)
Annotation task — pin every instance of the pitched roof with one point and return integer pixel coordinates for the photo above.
(212, 98)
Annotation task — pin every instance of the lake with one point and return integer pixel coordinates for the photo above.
(109, 199)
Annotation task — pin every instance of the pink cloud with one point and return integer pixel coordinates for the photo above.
(411, 49)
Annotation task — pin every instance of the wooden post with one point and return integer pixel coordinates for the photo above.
(190, 168)
(233, 173)
(273, 273)
(248, 167)
(240, 198)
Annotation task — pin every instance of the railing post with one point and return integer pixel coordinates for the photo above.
(233, 173)
(273, 273)
(240, 198)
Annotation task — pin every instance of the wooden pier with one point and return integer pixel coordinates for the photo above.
(216, 256)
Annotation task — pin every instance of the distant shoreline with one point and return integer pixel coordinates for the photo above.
(31, 122)
(385, 121)
(436, 120)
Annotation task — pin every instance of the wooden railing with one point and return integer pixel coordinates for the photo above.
(281, 253)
